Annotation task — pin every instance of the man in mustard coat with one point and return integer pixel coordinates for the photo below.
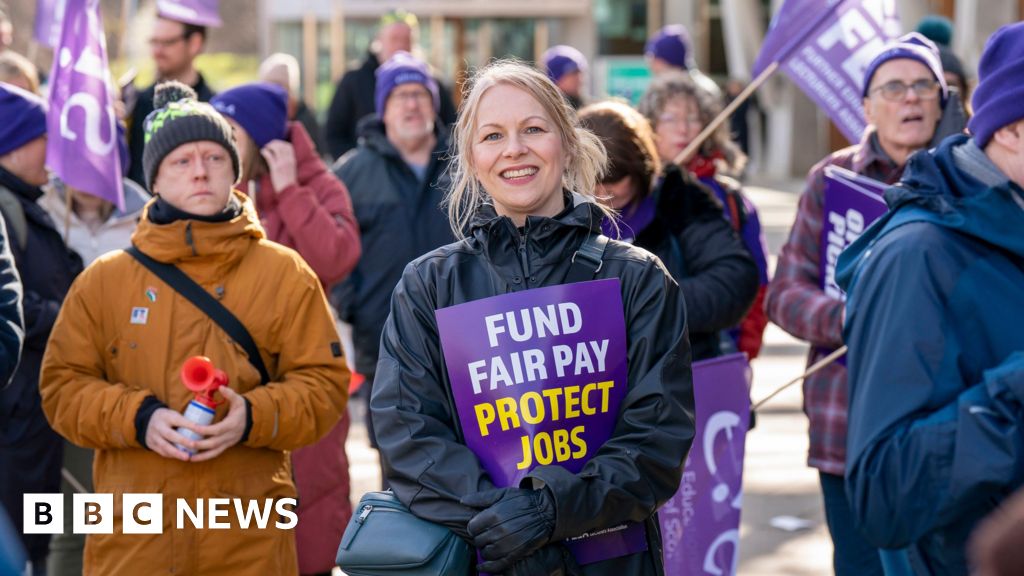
(110, 377)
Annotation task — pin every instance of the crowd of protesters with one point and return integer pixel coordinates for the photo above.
(333, 246)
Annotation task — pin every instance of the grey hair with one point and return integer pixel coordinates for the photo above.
(680, 84)
(586, 156)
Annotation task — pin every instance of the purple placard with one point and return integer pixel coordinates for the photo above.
(49, 17)
(852, 203)
(825, 46)
(198, 12)
(700, 524)
(82, 143)
(538, 377)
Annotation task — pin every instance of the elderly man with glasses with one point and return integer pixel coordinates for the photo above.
(174, 46)
(905, 102)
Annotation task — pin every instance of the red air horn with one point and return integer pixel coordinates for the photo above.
(199, 376)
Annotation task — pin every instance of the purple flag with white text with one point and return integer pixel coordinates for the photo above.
(825, 46)
(198, 12)
(538, 378)
(700, 525)
(49, 16)
(82, 129)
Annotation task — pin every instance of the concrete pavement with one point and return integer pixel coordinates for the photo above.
(777, 481)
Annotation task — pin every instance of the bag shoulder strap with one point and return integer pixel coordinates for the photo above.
(587, 261)
(201, 299)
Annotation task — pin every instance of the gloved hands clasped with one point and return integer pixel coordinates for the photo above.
(512, 524)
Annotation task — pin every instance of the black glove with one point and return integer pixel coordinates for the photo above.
(512, 524)
(551, 560)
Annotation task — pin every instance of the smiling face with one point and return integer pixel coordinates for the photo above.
(908, 123)
(517, 154)
(196, 177)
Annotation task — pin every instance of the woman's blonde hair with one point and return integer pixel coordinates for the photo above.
(18, 70)
(585, 155)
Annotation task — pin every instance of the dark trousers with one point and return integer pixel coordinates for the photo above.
(30, 464)
(853, 555)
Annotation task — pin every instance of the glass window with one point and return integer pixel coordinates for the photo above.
(621, 26)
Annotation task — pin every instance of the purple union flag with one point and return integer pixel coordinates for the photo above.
(81, 146)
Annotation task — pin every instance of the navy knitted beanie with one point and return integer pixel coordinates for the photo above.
(671, 44)
(999, 98)
(561, 60)
(911, 46)
(24, 117)
(260, 107)
(403, 68)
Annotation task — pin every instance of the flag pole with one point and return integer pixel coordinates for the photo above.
(724, 115)
(68, 205)
(814, 368)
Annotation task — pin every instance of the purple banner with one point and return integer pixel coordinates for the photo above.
(198, 12)
(825, 46)
(700, 525)
(852, 203)
(538, 378)
(82, 143)
(49, 17)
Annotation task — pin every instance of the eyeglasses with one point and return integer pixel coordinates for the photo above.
(896, 90)
(165, 42)
(671, 119)
(416, 96)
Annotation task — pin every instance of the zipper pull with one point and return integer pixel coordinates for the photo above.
(188, 238)
(364, 513)
(352, 530)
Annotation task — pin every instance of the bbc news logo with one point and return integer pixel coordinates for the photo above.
(144, 513)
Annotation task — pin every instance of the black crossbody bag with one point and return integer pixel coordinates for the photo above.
(201, 299)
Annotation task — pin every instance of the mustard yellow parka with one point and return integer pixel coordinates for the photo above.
(123, 334)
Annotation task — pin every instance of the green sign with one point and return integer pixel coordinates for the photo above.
(627, 79)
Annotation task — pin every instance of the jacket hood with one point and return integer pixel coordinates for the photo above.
(197, 245)
(935, 189)
(580, 212)
(541, 245)
(135, 199)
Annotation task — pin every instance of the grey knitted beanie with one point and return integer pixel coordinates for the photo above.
(179, 118)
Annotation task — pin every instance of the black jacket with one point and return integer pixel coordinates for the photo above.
(640, 466)
(400, 218)
(354, 100)
(703, 253)
(30, 451)
(12, 322)
(136, 133)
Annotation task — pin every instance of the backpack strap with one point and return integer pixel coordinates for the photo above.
(587, 261)
(14, 213)
(201, 299)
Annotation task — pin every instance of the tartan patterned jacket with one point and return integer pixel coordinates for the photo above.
(797, 304)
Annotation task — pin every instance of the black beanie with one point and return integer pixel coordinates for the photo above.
(179, 118)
